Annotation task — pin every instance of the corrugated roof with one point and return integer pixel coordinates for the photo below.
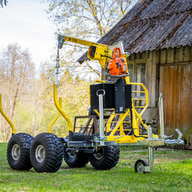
(152, 25)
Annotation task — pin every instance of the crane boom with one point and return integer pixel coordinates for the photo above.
(64, 38)
(96, 51)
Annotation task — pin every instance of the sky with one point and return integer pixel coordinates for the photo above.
(26, 23)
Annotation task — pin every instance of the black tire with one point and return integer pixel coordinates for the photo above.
(75, 159)
(18, 151)
(105, 158)
(46, 153)
(140, 165)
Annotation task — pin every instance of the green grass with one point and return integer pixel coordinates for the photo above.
(172, 172)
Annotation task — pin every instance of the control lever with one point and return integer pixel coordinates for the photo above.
(179, 134)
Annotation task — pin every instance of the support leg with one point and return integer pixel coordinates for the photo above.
(151, 157)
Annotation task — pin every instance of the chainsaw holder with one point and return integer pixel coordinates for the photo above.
(117, 65)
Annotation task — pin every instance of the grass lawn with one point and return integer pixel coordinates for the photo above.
(172, 172)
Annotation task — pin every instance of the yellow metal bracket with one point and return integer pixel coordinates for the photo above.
(60, 109)
(110, 121)
(55, 119)
(119, 123)
(5, 116)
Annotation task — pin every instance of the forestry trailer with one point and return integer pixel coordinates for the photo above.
(114, 119)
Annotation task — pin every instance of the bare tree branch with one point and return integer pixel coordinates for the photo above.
(88, 19)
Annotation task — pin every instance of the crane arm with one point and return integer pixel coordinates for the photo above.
(97, 51)
(63, 38)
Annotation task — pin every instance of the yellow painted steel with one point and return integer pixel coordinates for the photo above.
(110, 121)
(119, 123)
(55, 119)
(103, 52)
(127, 79)
(5, 116)
(100, 53)
(139, 117)
(136, 118)
(101, 81)
(146, 97)
(135, 123)
(83, 42)
(97, 112)
(60, 109)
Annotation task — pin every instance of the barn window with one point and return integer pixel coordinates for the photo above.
(137, 72)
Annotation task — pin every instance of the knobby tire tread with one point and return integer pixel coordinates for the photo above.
(109, 160)
(53, 149)
(78, 161)
(24, 141)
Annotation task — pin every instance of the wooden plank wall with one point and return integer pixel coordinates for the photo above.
(175, 85)
(170, 71)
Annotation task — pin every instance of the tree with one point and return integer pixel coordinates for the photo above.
(17, 70)
(3, 2)
(16, 75)
(88, 19)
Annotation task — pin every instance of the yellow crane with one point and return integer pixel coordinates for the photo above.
(103, 54)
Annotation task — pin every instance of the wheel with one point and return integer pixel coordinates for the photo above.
(18, 151)
(140, 166)
(105, 158)
(46, 153)
(75, 159)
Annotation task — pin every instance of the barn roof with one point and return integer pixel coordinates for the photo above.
(152, 25)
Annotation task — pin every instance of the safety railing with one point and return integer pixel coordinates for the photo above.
(139, 97)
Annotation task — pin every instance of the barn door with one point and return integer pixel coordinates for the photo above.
(176, 88)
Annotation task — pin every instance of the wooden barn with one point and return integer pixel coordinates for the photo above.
(158, 36)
